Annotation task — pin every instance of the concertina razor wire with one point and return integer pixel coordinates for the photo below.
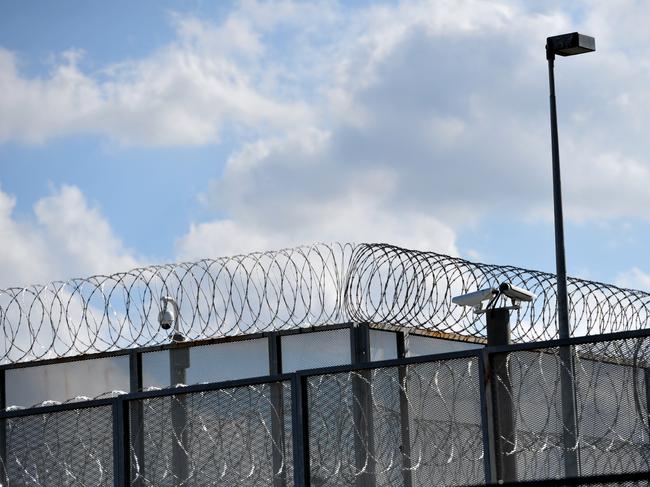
(307, 286)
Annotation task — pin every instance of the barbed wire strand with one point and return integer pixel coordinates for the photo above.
(304, 286)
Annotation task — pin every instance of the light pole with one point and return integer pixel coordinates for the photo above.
(564, 45)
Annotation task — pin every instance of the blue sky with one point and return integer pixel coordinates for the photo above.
(141, 132)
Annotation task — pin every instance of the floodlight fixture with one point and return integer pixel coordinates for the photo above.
(569, 45)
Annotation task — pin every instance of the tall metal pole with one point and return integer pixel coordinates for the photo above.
(570, 436)
(560, 257)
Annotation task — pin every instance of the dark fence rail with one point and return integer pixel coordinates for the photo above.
(635, 479)
(421, 421)
(294, 288)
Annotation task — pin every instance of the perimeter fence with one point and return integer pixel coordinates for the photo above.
(447, 420)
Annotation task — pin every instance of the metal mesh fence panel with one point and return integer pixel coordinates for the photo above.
(65, 448)
(445, 423)
(240, 436)
(611, 409)
(389, 426)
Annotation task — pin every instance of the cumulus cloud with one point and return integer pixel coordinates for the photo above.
(410, 125)
(405, 121)
(182, 94)
(634, 278)
(23, 256)
(66, 238)
(283, 192)
(343, 221)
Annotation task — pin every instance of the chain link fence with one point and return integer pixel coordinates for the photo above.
(611, 381)
(69, 448)
(229, 437)
(418, 423)
(412, 422)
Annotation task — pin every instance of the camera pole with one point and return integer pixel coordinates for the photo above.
(179, 362)
(503, 427)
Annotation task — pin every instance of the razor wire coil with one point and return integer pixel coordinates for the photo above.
(304, 286)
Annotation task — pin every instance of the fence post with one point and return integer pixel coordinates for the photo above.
(404, 411)
(498, 333)
(646, 384)
(277, 413)
(487, 412)
(362, 408)
(136, 415)
(179, 361)
(569, 419)
(4, 474)
(120, 443)
(300, 430)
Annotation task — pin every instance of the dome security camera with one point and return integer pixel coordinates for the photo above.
(166, 319)
(169, 316)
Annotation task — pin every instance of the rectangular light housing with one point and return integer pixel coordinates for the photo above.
(570, 44)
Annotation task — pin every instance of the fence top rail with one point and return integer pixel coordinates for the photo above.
(594, 480)
(289, 289)
(399, 362)
(143, 395)
(13, 413)
(584, 340)
(206, 387)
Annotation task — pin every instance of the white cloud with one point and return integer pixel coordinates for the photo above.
(182, 94)
(23, 257)
(66, 238)
(79, 231)
(436, 109)
(634, 278)
(401, 122)
(344, 221)
(284, 192)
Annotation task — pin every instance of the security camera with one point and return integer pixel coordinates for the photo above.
(516, 293)
(166, 320)
(168, 312)
(476, 298)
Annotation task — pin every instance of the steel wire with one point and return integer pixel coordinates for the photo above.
(299, 287)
